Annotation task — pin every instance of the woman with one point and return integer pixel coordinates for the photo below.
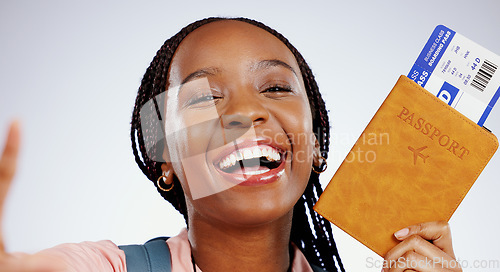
(236, 144)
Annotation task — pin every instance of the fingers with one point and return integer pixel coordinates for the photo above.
(8, 163)
(437, 232)
(419, 254)
(9, 159)
(423, 247)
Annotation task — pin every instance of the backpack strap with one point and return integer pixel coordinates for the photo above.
(153, 256)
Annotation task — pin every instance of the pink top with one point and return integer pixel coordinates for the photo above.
(105, 256)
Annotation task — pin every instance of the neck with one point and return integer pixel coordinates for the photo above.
(225, 247)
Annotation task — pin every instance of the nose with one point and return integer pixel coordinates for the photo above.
(243, 111)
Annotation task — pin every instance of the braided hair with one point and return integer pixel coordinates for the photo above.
(310, 232)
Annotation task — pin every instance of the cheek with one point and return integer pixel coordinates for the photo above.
(188, 138)
(296, 120)
(191, 131)
(298, 125)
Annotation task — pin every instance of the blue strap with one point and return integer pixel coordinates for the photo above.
(153, 256)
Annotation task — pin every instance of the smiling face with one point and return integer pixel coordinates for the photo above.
(241, 124)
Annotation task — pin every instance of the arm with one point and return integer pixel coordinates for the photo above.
(87, 256)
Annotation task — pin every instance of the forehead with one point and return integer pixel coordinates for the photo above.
(227, 45)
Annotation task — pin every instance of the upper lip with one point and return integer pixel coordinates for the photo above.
(244, 143)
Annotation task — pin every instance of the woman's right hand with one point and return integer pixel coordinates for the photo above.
(18, 262)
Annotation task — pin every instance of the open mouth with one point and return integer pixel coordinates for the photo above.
(256, 164)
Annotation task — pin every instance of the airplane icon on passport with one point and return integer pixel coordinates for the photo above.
(418, 153)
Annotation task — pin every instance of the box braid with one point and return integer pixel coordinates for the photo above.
(317, 245)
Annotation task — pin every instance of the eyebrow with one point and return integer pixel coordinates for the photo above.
(265, 64)
(201, 73)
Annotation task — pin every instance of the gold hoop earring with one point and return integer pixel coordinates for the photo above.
(163, 175)
(322, 167)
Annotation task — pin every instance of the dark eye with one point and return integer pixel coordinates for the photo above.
(203, 100)
(277, 91)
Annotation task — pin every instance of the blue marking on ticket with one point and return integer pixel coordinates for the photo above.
(460, 72)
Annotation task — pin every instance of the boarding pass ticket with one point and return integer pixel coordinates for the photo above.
(460, 72)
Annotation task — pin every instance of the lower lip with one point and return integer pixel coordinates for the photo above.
(255, 180)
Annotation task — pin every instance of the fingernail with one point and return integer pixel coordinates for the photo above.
(402, 233)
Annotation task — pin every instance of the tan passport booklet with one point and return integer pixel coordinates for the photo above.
(419, 159)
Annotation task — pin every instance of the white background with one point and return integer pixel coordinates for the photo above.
(70, 71)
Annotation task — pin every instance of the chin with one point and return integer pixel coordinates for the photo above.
(250, 207)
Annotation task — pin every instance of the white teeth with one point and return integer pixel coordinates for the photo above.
(249, 153)
(239, 156)
(256, 152)
(232, 159)
(276, 156)
(265, 152)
